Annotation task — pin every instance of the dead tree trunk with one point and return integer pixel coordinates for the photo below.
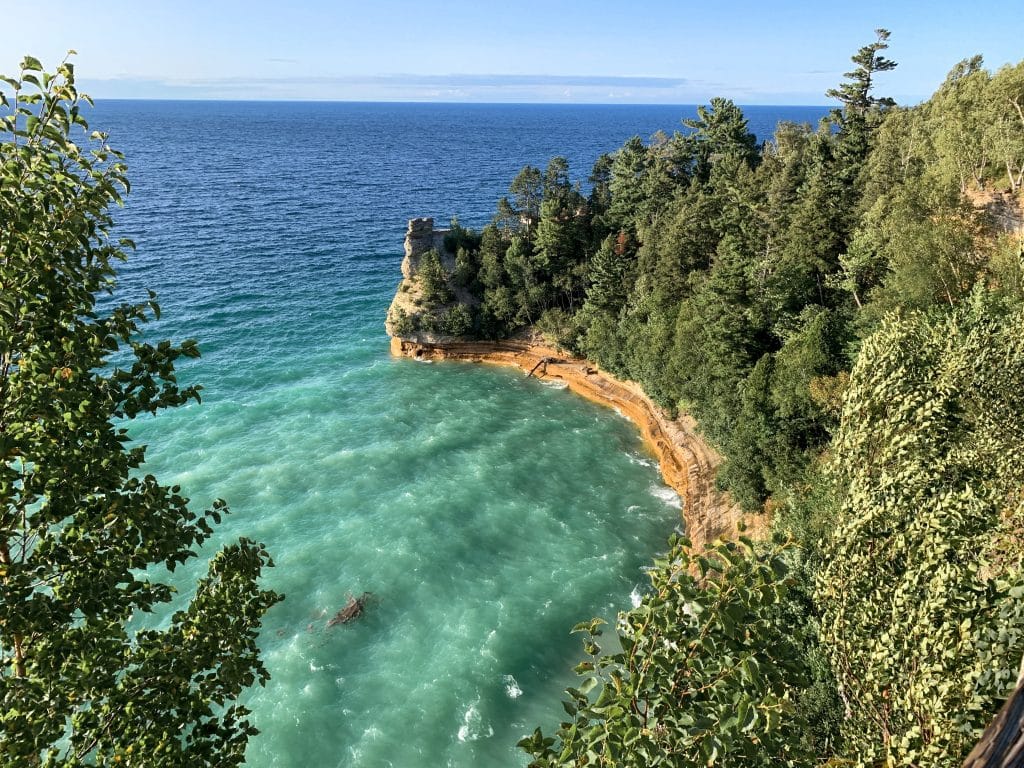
(542, 362)
(1002, 743)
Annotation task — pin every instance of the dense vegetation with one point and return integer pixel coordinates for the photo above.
(86, 538)
(841, 309)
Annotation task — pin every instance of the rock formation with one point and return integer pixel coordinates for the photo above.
(420, 237)
(410, 315)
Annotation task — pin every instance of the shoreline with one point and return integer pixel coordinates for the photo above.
(687, 463)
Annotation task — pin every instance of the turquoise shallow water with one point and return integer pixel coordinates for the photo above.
(487, 512)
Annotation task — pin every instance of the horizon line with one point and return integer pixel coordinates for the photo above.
(328, 100)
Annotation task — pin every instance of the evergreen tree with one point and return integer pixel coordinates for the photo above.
(561, 239)
(855, 94)
(609, 274)
(433, 278)
(522, 212)
(860, 114)
(720, 136)
(715, 346)
(629, 169)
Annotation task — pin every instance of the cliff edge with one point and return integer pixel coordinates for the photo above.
(688, 464)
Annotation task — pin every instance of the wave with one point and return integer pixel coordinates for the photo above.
(512, 689)
(667, 495)
(473, 727)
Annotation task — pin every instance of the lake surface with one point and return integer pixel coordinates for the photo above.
(486, 512)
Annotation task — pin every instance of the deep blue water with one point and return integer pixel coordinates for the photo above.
(488, 513)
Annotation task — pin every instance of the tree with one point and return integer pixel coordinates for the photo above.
(861, 112)
(812, 351)
(608, 274)
(600, 191)
(924, 243)
(720, 135)
(561, 237)
(630, 166)
(715, 344)
(433, 278)
(958, 117)
(856, 93)
(522, 212)
(1005, 129)
(84, 534)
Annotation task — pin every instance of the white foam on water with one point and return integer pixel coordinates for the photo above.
(641, 460)
(512, 689)
(635, 598)
(555, 383)
(473, 728)
(666, 494)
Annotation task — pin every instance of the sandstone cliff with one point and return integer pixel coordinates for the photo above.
(413, 313)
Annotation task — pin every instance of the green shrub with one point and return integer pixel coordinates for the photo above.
(457, 321)
(403, 324)
(708, 671)
(922, 583)
(458, 237)
(559, 329)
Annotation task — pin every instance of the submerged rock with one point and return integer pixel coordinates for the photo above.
(353, 610)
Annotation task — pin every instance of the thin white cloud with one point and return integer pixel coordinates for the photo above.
(433, 87)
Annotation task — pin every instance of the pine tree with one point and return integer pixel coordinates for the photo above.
(861, 111)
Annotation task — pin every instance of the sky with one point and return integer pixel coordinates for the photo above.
(650, 52)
